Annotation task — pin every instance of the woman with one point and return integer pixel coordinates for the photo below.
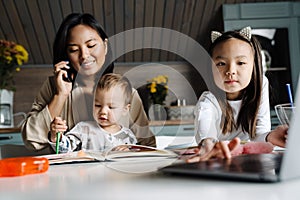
(81, 54)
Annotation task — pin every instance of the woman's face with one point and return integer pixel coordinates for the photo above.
(234, 61)
(86, 49)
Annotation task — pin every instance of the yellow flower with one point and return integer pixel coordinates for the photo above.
(22, 55)
(12, 56)
(153, 87)
(158, 89)
(161, 79)
(8, 59)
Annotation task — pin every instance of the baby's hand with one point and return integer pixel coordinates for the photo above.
(57, 125)
(121, 148)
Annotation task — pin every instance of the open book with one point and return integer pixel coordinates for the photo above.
(119, 153)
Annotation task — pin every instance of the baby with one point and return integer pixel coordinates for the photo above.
(112, 101)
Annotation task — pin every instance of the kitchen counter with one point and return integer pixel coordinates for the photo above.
(170, 128)
(171, 122)
(10, 130)
(151, 123)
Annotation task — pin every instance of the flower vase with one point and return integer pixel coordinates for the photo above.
(157, 112)
(6, 108)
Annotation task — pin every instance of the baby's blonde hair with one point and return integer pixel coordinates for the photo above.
(110, 80)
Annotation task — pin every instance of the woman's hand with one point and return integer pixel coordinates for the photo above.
(63, 87)
(278, 136)
(221, 149)
(57, 125)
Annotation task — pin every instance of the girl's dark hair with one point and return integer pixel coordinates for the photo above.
(251, 94)
(61, 38)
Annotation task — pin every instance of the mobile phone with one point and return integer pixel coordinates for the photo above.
(70, 74)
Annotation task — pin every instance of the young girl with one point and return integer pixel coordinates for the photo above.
(112, 101)
(244, 113)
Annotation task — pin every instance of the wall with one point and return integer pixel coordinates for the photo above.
(184, 81)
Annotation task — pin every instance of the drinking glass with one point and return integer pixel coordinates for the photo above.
(284, 112)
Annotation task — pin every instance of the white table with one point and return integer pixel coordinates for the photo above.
(96, 181)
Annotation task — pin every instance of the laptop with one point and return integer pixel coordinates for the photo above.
(274, 167)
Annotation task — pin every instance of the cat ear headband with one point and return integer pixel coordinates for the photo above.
(246, 32)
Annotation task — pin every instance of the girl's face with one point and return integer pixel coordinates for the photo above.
(86, 49)
(109, 106)
(234, 60)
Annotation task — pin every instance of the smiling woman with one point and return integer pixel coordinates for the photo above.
(80, 44)
(86, 50)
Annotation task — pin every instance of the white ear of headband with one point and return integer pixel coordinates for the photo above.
(246, 32)
(214, 35)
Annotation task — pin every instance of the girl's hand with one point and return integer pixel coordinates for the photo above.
(57, 125)
(221, 149)
(63, 87)
(278, 136)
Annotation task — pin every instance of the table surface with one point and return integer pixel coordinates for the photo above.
(102, 181)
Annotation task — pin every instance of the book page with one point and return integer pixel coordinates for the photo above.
(72, 157)
(139, 159)
(119, 153)
(133, 152)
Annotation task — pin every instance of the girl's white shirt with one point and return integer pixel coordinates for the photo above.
(208, 117)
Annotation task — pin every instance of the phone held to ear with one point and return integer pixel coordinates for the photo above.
(70, 74)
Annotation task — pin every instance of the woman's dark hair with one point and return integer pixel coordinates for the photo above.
(61, 38)
(251, 94)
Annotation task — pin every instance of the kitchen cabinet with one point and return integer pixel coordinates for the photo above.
(172, 128)
(11, 143)
(175, 133)
(11, 136)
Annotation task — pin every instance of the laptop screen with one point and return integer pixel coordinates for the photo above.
(252, 167)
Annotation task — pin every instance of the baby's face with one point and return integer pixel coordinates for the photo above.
(234, 63)
(109, 106)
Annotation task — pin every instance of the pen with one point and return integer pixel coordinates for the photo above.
(57, 142)
(288, 87)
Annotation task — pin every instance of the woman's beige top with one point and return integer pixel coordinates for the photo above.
(37, 126)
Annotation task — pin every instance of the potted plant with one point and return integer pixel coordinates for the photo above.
(158, 90)
(12, 56)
